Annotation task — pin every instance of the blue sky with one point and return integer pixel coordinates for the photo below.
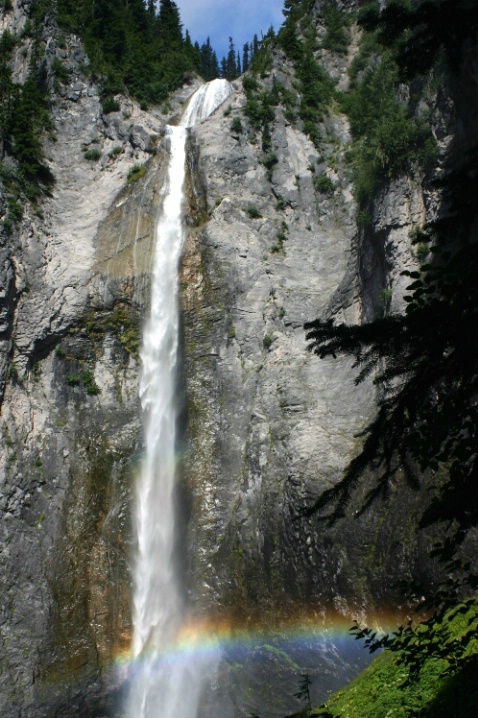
(220, 18)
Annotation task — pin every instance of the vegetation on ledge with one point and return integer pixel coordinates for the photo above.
(442, 688)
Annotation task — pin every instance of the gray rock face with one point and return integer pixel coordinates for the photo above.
(74, 284)
(268, 426)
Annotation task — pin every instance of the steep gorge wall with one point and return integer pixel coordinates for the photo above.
(75, 289)
(268, 425)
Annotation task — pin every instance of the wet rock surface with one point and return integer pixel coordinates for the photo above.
(266, 426)
(74, 286)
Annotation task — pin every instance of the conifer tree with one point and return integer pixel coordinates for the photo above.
(209, 67)
(255, 46)
(245, 57)
(224, 67)
(6, 90)
(169, 25)
(229, 67)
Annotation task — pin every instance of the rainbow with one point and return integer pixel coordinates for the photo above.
(199, 639)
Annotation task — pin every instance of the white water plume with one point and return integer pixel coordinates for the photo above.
(162, 687)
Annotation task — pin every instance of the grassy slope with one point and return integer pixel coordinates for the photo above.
(384, 691)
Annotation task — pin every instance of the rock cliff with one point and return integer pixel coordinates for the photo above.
(266, 425)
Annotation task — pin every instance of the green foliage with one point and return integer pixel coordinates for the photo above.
(230, 67)
(419, 234)
(89, 383)
(134, 47)
(316, 87)
(14, 209)
(261, 62)
(269, 160)
(250, 84)
(259, 109)
(92, 155)
(420, 31)
(385, 300)
(294, 11)
(115, 151)
(267, 341)
(426, 367)
(336, 36)
(72, 380)
(109, 104)
(303, 693)
(324, 184)
(282, 236)
(252, 212)
(388, 138)
(136, 173)
(236, 125)
(208, 66)
(24, 117)
(60, 72)
(119, 323)
(441, 685)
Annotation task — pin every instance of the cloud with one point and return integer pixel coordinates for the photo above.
(219, 19)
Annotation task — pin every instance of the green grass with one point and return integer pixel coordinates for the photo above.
(441, 689)
(136, 173)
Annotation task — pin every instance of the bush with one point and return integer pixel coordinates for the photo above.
(269, 160)
(317, 89)
(335, 22)
(267, 341)
(253, 212)
(387, 138)
(236, 125)
(92, 155)
(324, 184)
(249, 84)
(15, 210)
(109, 104)
(90, 385)
(62, 75)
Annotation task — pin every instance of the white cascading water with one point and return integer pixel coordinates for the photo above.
(163, 685)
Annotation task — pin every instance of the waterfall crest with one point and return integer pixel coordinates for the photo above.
(205, 101)
(162, 687)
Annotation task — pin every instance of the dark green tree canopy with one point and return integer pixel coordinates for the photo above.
(138, 45)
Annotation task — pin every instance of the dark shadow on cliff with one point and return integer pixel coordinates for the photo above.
(458, 697)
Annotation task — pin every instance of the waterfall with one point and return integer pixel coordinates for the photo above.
(164, 686)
